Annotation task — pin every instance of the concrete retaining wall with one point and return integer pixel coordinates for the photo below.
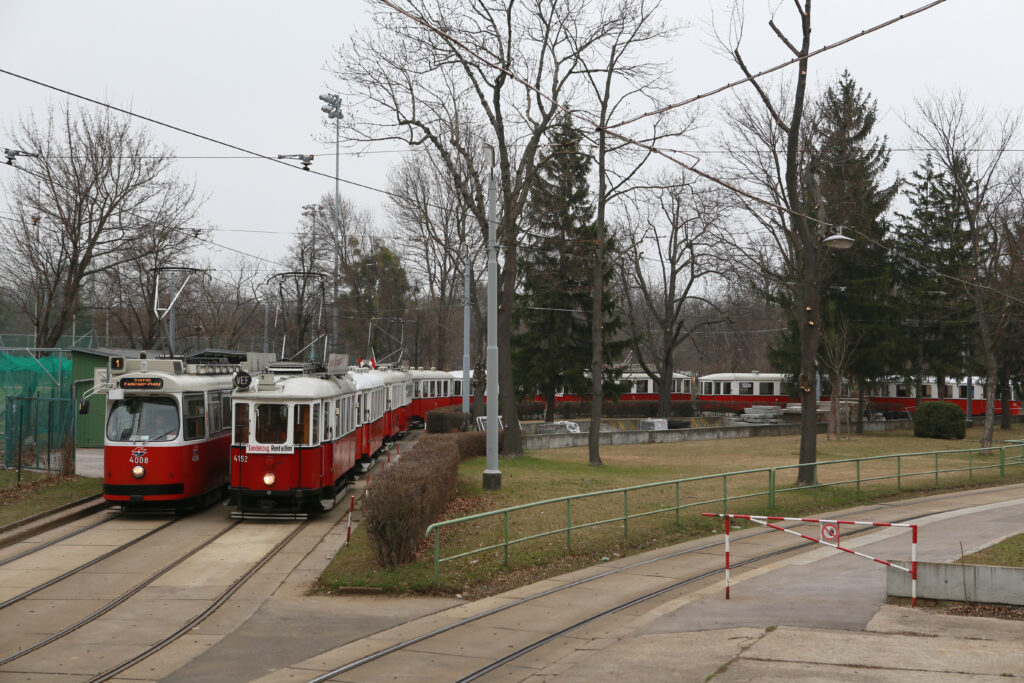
(959, 582)
(543, 441)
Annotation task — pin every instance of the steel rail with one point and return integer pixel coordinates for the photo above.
(66, 536)
(758, 532)
(88, 564)
(134, 590)
(224, 596)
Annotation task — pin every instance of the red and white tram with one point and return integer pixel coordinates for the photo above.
(431, 389)
(398, 386)
(167, 433)
(298, 436)
(739, 390)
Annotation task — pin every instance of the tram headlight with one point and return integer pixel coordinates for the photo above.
(138, 471)
(269, 478)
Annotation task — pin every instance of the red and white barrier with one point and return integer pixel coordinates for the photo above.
(351, 510)
(829, 531)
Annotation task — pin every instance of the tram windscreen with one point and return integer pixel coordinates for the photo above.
(271, 423)
(149, 418)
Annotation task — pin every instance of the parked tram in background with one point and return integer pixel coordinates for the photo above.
(167, 433)
(431, 389)
(896, 394)
(300, 434)
(739, 390)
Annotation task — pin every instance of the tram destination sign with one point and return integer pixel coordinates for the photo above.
(141, 383)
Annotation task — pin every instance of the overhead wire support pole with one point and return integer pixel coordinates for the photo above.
(333, 110)
(492, 475)
(465, 340)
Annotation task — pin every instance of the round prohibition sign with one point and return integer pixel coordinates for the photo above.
(830, 532)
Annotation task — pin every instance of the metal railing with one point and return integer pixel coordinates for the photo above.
(975, 462)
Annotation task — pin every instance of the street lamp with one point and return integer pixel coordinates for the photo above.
(333, 111)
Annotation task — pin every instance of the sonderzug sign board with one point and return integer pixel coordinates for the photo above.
(269, 448)
(141, 383)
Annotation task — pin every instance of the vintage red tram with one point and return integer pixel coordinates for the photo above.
(299, 434)
(167, 433)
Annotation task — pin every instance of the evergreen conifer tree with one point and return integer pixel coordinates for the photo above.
(551, 347)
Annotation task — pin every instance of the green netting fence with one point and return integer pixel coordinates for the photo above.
(37, 413)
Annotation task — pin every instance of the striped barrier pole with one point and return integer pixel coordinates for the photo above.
(726, 558)
(830, 533)
(351, 509)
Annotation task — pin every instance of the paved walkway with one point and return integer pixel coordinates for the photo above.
(810, 616)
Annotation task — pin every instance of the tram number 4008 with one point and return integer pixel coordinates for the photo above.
(138, 459)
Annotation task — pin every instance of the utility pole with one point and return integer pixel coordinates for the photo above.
(492, 475)
(465, 340)
(333, 111)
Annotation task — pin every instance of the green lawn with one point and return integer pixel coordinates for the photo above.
(1007, 553)
(542, 475)
(39, 492)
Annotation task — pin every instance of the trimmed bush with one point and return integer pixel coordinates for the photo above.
(937, 420)
(406, 498)
(447, 420)
(474, 444)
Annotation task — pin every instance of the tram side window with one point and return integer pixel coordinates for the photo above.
(195, 416)
(901, 391)
(706, 387)
(213, 405)
(327, 435)
(300, 428)
(766, 388)
(337, 418)
(241, 423)
(225, 407)
(315, 434)
(746, 388)
(925, 391)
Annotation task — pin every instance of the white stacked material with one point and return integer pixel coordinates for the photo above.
(654, 424)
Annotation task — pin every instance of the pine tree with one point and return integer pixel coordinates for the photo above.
(929, 247)
(850, 161)
(552, 348)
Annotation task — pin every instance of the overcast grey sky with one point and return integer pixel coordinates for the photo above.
(249, 73)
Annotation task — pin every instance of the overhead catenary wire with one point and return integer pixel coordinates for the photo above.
(624, 138)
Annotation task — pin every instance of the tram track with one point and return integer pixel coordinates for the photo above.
(134, 590)
(510, 657)
(82, 567)
(54, 541)
(206, 613)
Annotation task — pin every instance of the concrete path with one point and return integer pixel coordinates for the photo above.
(809, 616)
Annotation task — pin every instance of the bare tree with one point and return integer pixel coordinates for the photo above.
(228, 304)
(436, 231)
(671, 242)
(431, 68)
(100, 194)
(617, 79)
(970, 146)
(769, 151)
(837, 349)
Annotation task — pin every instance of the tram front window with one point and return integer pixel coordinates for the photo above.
(149, 418)
(271, 423)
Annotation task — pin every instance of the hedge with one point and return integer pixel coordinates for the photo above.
(410, 495)
(447, 420)
(937, 420)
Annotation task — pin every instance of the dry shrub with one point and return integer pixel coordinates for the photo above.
(474, 444)
(409, 496)
(447, 420)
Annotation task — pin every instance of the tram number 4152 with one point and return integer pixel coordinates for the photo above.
(241, 458)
